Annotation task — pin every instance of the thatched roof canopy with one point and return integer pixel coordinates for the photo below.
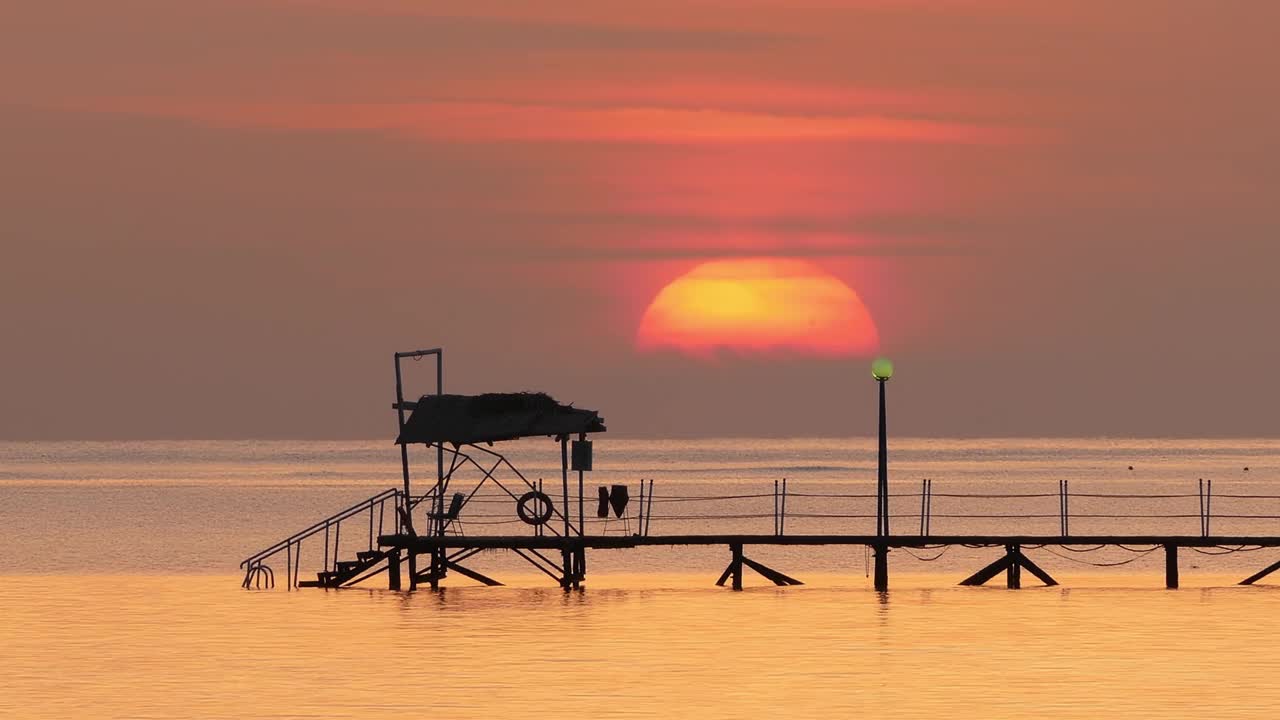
(466, 419)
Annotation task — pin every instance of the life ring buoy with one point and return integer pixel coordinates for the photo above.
(539, 500)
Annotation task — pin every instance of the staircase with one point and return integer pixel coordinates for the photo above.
(376, 515)
(347, 571)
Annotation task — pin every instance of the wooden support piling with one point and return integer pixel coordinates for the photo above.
(882, 562)
(413, 570)
(735, 565)
(1013, 569)
(437, 568)
(393, 569)
(576, 568)
(1171, 566)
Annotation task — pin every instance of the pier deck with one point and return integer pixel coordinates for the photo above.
(571, 572)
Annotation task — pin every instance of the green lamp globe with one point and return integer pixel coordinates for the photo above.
(882, 368)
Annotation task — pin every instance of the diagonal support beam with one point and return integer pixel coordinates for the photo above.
(366, 576)
(1261, 573)
(724, 577)
(734, 571)
(478, 577)
(1036, 570)
(982, 576)
(425, 576)
(462, 554)
(534, 561)
(769, 573)
(1011, 562)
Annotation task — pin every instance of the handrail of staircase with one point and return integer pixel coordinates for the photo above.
(359, 507)
(415, 499)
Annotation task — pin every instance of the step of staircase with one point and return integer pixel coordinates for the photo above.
(345, 570)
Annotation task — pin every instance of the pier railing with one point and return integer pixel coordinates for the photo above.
(786, 507)
(1020, 520)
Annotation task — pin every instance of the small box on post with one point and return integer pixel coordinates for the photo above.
(582, 455)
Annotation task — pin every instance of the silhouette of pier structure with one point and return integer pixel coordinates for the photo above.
(420, 539)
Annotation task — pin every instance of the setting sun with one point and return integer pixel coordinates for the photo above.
(758, 305)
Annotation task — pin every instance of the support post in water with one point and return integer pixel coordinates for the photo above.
(738, 560)
(882, 567)
(735, 565)
(1171, 566)
(566, 566)
(1013, 572)
(393, 570)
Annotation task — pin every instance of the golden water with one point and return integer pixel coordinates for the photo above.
(118, 598)
(651, 646)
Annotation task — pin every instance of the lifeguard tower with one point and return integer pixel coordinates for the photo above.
(462, 430)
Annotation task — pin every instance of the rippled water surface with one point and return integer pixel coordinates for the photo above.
(118, 598)
(657, 646)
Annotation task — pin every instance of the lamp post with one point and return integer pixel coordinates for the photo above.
(882, 370)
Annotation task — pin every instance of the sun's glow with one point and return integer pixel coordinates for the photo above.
(758, 305)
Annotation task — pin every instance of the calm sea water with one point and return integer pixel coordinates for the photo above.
(120, 596)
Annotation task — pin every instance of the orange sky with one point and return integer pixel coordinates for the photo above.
(253, 202)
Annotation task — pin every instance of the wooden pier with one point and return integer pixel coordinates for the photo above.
(1011, 561)
(460, 431)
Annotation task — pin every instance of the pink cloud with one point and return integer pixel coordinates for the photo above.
(497, 121)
